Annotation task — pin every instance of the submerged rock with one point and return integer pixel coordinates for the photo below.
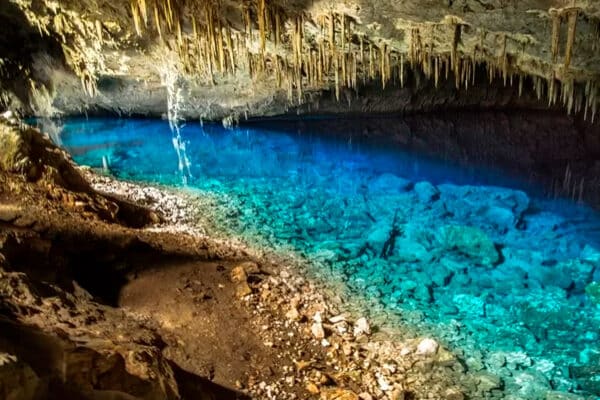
(389, 184)
(553, 395)
(426, 192)
(593, 292)
(471, 242)
(487, 382)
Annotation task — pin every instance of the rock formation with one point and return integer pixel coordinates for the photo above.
(236, 59)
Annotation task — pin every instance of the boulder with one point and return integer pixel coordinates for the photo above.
(470, 242)
(389, 184)
(426, 192)
(593, 292)
(556, 395)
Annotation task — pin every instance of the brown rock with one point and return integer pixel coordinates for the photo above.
(338, 394)
(238, 274)
(302, 365)
(312, 388)
(9, 212)
(17, 379)
(453, 394)
(293, 314)
(243, 289)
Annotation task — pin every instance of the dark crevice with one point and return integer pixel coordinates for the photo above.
(20, 43)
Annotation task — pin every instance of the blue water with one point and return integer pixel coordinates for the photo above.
(472, 255)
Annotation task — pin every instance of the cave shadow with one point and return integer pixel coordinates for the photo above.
(48, 356)
(100, 264)
(19, 43)
(193, 387)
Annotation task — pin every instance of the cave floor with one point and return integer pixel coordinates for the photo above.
(133, 283)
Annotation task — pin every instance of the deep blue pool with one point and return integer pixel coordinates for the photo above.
(470, 254)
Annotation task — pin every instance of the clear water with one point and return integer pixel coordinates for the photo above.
(474, 256)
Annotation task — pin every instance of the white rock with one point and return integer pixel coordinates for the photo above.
(383, 383)
(361, 327)
(391, 368)
(405, 351)
(427, 347)
(317, 317)
(292, 314)
(317, 331)
(325, 343)
(337, 319)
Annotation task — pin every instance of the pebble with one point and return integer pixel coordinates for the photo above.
(427, 347)
(361, 327)
(312, 388)
(317, 331)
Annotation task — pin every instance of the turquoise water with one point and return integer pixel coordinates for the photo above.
(471, 254)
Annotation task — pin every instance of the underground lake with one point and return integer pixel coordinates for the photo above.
(494, 264)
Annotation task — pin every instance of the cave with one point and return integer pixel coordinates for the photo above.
(291, 199)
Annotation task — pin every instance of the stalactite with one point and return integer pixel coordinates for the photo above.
(343, 32)
(551, 90)
(382, 66)
(354, 73)
(278, 72)
(321, 64)
(504, 59)
(457, 71)
(412, 55)
(230, 50)
(157, 22)
(136, 19)
(594, 100)
(99, 32)
(221, 49)
(572, 27)
(261, 25)
(539, 87)
(556, 25)
(169, 14)
(371, 62)
(332, 32)
(179, 34)
(143, 11)
(277, 27)
(402, 70)
(247, 22)
(436, 71)
(337, 78)
(348, 57)
(362, 49)
(520, 85)
(455, 40)
(344, 70)
(571, 96)
(388, 71)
